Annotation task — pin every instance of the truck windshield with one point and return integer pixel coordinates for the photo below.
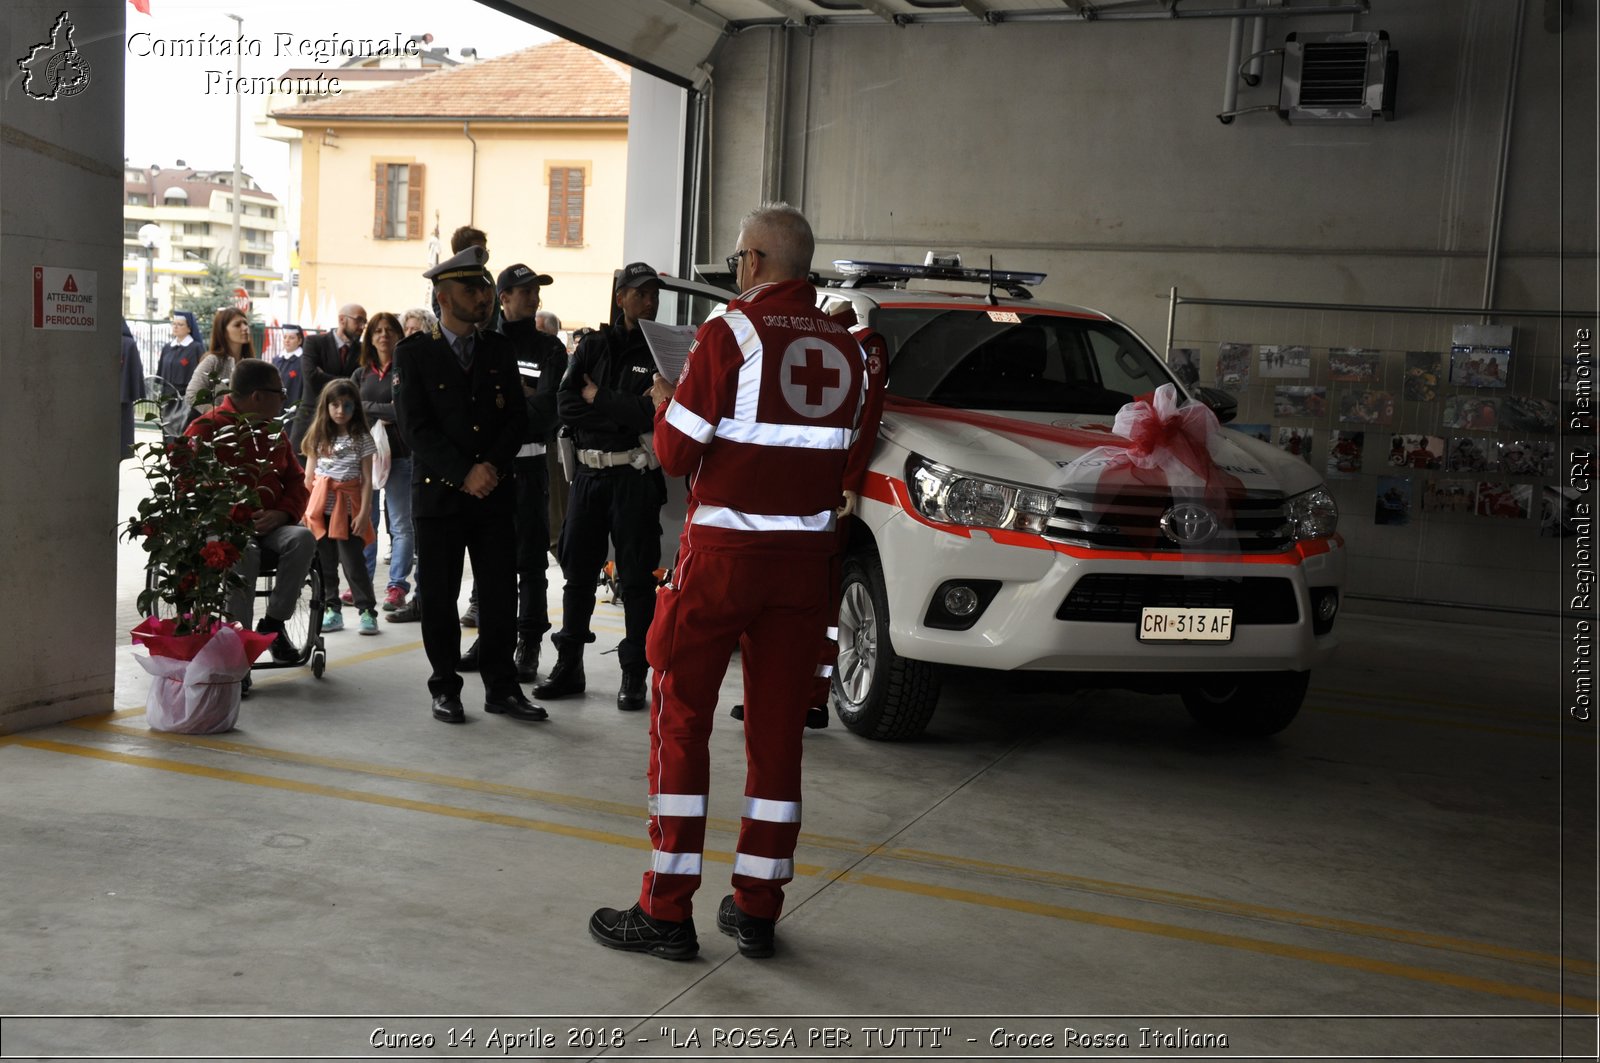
(1038, 362)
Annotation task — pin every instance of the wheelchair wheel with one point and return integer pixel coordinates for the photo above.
(319, 661)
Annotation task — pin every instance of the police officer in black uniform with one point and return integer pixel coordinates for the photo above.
(460, 407)
(617, 492)
(541, 359)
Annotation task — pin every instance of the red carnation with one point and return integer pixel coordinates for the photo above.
(188, 582)
(219, 554)
(147, 529)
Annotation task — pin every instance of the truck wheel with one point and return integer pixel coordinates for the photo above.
(1247, 704)
(877, 693)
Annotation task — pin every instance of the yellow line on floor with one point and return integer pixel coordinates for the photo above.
(456, 782)
(1254, 911)
(1460, 725)
(316, 789)
(1230, 941)
(848, 845)
(1294, 952)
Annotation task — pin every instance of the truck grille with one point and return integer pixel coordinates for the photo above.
(1113, 597)
(1131, 520)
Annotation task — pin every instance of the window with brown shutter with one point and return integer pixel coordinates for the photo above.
(564, 226)
(397, 201)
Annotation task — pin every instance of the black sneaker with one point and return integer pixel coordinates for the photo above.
(409, 613)
(470, 617)
(754, 936)
(281, 649)
(634, 931)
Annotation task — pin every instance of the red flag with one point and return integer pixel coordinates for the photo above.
(141, 6)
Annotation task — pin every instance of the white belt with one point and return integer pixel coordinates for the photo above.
(640, 458)
(531, 450)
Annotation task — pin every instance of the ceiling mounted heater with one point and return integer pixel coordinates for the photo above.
(1338, 77)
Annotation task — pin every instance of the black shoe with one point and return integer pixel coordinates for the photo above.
(281, 649)
(566, 678)
(817, 717)
(470, 617)
(244, 687)
(448, 709)
(754, 936)
(737, 712)
(632, 697)
(469, 660)
(409, 613)
(633, 931)
(527, 659)
(517, 706)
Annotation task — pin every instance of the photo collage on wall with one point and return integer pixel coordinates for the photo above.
(1458, 422)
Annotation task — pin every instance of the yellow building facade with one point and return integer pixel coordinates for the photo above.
(530, 147)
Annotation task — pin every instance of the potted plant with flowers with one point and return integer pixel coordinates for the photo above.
(194, 525)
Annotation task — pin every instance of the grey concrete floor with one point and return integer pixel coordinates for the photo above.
(1383, 879)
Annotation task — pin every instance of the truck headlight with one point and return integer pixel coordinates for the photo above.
(1313, 514)
(953, 497)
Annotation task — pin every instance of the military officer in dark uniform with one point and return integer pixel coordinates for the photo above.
(460, 406)
(618, 491)
(541, 359)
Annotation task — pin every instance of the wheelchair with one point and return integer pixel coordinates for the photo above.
(304, 625)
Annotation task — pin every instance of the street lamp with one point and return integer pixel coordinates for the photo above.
(238, 73)
(150, 235)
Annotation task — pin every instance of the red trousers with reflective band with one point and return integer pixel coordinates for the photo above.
(776, 610)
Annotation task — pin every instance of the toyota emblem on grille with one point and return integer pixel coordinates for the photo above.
(1189, 524)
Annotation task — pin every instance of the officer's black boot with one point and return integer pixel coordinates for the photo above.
(527, 658)
(633, 696)
(566, 678)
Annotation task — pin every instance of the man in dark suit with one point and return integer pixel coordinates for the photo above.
(460, 406)
(327, 357)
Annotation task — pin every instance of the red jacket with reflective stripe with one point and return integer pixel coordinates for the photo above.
(765, 420)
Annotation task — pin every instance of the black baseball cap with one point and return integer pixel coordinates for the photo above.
(518, 275)
(635, 274)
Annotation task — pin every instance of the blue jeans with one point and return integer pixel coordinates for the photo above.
(397, 500)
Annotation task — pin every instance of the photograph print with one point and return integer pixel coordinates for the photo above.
(1185, 365)
(1393, 495)
(1284, 361)
(1344, 453)
(1471, 412)
(1449, 496)
(1480, 367)
(1366, 407)
(1470, 454)
(1353, 365)
(1413, 451)
(1296, 441)
(1233, 366)
(1520, 413)
(1422, 375)
(1528, 457)
(1499, 499)
(1299, 400)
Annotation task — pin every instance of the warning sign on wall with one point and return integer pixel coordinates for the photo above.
(64, 298)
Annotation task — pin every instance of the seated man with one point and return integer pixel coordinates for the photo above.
(266, 461)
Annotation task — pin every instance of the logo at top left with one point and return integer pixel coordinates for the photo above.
(55, 68)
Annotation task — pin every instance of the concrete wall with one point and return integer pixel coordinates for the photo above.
(341, 262)
(60, 205)
(1092, 151)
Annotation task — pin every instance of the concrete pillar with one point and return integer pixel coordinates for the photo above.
(60, 206)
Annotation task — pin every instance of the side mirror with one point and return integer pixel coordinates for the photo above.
(1222, 403)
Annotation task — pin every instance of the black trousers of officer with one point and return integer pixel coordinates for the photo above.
(624, 505)
(533, 548)
(491, 541)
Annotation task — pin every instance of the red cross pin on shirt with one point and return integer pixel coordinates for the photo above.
(814, 376)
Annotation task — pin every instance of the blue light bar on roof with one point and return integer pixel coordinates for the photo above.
(849, 267)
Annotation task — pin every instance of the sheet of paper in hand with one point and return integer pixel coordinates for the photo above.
(669, 345)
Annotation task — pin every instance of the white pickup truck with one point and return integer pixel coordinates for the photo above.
(977, 545)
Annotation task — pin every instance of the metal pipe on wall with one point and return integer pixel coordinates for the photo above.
(1498, 211)
(777, 106)
(472, 187)
(1258, 42)
(1230, 88)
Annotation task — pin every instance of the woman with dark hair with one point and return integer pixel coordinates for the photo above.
(230, 341)
(375, 379)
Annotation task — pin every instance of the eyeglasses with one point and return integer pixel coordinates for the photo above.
(733, 259)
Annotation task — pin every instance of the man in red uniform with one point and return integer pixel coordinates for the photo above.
(766, 417)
